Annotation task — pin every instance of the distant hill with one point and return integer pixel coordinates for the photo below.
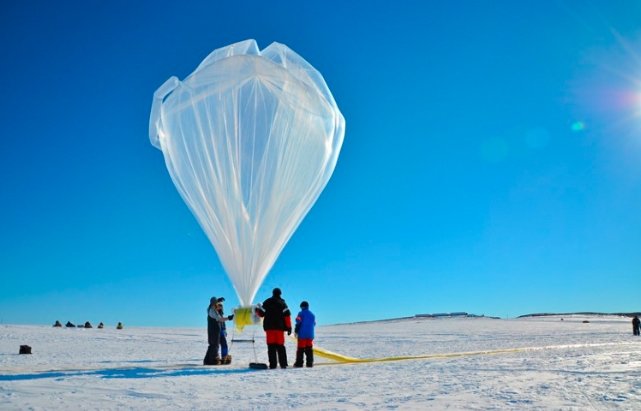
(435, 315)
(630, 314)
(454, 314)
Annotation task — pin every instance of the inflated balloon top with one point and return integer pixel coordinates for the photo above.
(250, 139)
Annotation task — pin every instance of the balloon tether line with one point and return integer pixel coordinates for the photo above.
(251, 340)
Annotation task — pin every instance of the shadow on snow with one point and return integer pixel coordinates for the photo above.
(137, 372)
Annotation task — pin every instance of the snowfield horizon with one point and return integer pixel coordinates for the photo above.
(445, 315)
(467, 363)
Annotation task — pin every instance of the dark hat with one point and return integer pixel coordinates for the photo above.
(276, 292)
(304, 304)
(220, 299)
(213, 300)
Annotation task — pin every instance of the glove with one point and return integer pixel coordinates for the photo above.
(230, 317)
(289, 331)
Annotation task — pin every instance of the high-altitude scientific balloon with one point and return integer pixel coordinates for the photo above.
(250, 139)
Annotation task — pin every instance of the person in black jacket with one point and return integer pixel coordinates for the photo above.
(214, 319)
(636, 325)
(276, 320)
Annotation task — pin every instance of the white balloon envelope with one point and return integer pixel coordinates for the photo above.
(250, 139)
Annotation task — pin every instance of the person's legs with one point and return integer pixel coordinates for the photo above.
(271, 354)
(211, 358)
(309, 353)
(213, 338)
(307, 346)
(282, 356)
(299, 357)
(224, 348)
(275, 339)
(300, 352)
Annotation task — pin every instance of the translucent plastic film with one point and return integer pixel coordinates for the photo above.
(250, 140)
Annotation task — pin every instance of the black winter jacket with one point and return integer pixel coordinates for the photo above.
(275, 310)
(213, 329)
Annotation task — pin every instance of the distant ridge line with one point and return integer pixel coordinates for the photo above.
(630, 314)
(420, 316)
(467, 315)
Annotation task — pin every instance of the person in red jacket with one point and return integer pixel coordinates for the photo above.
(276, 321)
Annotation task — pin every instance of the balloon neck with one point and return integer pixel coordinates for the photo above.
(244, 316)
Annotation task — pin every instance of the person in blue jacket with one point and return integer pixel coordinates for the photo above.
(225, 358)
(304, 329)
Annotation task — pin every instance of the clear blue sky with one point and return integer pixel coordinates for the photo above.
(491, 164)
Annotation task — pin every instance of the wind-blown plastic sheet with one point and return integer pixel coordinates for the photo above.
(250, 140)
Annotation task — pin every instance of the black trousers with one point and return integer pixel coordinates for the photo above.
(277, 354)
(307, 352)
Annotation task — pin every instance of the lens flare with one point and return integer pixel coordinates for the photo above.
(578, 126)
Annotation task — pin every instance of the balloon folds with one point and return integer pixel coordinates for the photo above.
(250, 139)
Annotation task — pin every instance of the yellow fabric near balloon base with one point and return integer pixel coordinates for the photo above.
(244, 316)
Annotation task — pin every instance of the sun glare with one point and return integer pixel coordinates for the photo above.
(609, 96)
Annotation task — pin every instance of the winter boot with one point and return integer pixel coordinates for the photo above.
(309, 353)
(226, 359)
(211, 358)
(299, 358)
(282, 356)
(271, 354)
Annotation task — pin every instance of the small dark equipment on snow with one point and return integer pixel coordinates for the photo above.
(25, 349)
(253, 365)
(57, 324)
(70, 324)
(101, 325)
(88, 325)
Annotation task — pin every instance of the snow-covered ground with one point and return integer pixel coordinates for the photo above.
(533, 363)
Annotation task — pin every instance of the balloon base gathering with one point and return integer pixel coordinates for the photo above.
(244, 316)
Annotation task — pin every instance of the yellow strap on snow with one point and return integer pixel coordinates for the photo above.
(344, 359)
(341, 359)
(334, 356)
